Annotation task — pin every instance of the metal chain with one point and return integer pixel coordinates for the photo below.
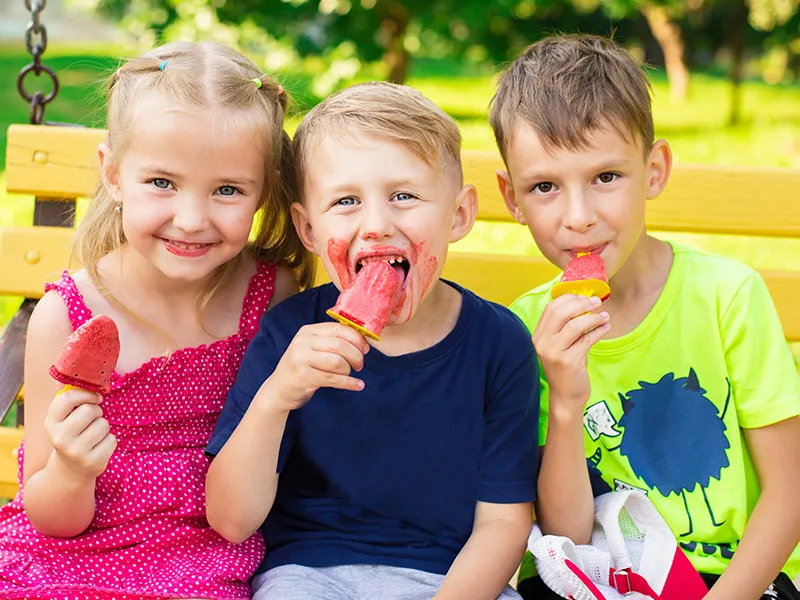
(36, 44)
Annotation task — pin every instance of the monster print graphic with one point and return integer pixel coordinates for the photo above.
(599, 486)
(674, 437)
(598, 420)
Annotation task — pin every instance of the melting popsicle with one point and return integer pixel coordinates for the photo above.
(89, 356)
(585, 275)
(367, 304)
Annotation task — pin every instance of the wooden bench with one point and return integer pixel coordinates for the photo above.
(58, 165)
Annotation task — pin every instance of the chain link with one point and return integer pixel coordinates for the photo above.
(36, 44)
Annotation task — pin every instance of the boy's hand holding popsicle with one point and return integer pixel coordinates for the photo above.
(569, 327)
(74, 423)
(325, 354)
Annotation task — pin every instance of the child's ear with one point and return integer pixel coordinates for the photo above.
(509, 197)
(466, 212)
(109, 173)
(659, 167)
(303, 226)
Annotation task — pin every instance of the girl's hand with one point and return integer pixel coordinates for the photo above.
(320, 355)
(79, 434)
(569, 327)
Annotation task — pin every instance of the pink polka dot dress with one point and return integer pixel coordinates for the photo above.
(149, 537)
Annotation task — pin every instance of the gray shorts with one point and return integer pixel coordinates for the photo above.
(350, 582)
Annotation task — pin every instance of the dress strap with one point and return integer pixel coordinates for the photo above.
(65, 287)
(259, 293)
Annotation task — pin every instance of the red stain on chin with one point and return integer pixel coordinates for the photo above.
(337, 254)
(426, 267)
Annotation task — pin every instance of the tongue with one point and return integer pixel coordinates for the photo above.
(401, 274)
(368, 302)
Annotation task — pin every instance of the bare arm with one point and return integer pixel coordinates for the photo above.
(59, 486)
(493, 552)
(773, 530)
(565, 504)
(569, 327)
(243, 478)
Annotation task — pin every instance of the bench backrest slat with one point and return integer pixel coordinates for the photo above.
(60, 162)
(698, 199)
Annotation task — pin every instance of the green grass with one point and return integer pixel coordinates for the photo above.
(769, 134)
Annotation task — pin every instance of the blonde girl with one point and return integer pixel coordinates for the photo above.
(111, 501)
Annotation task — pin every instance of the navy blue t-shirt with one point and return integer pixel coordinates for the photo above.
(391, 475)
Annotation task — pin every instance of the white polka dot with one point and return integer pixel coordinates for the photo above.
(149, 537)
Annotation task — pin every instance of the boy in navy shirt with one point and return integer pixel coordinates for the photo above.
(403, 468)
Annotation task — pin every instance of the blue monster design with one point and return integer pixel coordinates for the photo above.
(599, 486)
(675, 437)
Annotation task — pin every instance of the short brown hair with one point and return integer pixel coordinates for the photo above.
(386, 110)
(568, 86)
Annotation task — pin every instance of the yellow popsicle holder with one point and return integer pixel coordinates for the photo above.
(359, 328)
(581, 287)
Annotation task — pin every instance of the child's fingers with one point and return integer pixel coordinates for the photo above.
(75, 424)
(340, 382)
(344, 332)
(563, 309)
(590, 338)
(104, 449)
(94, 434)
(341, 347)
(329, 362)
(65, 403)
(578, 327)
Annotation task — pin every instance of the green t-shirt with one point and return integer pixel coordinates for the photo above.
(669, 401)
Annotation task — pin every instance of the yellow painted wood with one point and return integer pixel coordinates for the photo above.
(61, 161)
(699, 198)
(54, 162)
(9, 443)
(502, 279)
(32, 256)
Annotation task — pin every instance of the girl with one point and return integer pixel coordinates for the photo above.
(111, 501)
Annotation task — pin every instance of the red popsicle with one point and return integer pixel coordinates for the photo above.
(367, 304)
(89, 356)
(585, 275)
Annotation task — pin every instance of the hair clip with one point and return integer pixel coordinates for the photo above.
(161, 65)
(257, 81)
(280, 90)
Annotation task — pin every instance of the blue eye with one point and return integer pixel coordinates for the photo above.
(348, 201)
(227, 190)
(404, 196)
(162, 184)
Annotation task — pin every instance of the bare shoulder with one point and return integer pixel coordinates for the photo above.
(285, 285)
(49, 324)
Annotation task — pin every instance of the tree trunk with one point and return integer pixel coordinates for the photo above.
(668, 35)
(735, 28)
(393, 31)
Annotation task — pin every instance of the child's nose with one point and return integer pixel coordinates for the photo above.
(191, 213)
(377, 224)
(580, 214)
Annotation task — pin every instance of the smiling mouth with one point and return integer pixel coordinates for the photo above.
(187, 249)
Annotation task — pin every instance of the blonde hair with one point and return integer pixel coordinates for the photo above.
(201, 75)
(566, 87)
(386, 110)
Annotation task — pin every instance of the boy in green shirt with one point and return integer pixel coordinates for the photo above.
(680, 384)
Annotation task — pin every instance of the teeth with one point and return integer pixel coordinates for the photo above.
(388, 259)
